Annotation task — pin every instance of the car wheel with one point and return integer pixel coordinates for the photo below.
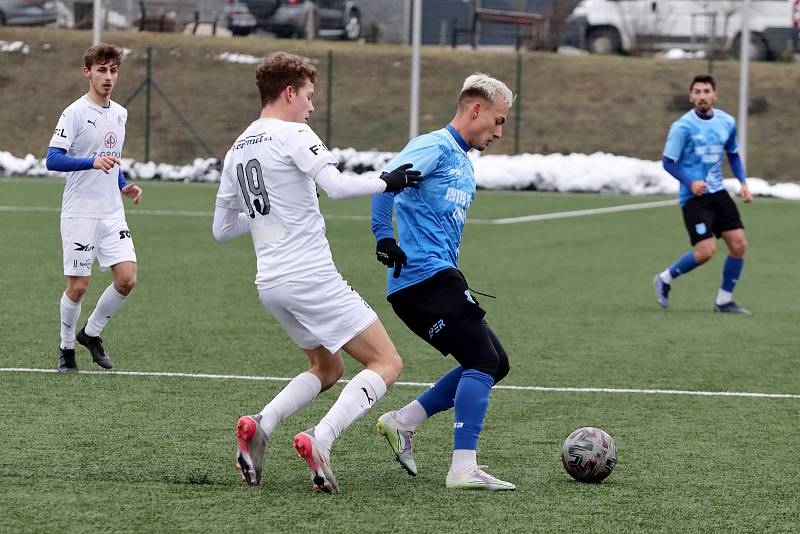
(603, 41)
(352, 26)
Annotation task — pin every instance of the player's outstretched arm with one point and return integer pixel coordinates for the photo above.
(338, 187)
(401, 177)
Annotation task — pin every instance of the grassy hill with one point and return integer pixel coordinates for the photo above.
(569, 104)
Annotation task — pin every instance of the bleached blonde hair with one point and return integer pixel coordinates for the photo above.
(484, 86)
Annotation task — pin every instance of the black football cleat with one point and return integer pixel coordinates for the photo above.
(66, 361)
(95, 346)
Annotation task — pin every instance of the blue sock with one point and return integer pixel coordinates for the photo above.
(472, 401)
(731, 272)
(684, 264)
(441, 396)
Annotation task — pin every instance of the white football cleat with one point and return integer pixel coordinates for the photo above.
(477, 479)
(400, 440)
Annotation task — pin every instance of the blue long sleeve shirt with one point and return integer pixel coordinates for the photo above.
(57, 160)
(430, 220)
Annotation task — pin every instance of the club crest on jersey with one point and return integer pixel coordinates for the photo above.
(110, 140)
(700, 228)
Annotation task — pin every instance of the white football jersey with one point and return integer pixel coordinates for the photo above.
(87, 130)
(269, 173)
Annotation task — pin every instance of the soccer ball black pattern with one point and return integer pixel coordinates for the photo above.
(589, 454)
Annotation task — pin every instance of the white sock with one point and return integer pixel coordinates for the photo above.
(294, 397)
(411, 415)
(356, 398)
(723, 297)
(110, 301)
(666, 277)
(464, 461)
(70, 314)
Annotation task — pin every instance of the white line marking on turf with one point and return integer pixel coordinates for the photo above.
(577, 213)
(510, 220)
(428, 384)
(37, 209)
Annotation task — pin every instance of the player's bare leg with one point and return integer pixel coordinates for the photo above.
(373, 349)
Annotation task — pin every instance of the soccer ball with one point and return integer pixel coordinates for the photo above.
(589, 454)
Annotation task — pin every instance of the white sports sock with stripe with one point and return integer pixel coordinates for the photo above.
(356, 398)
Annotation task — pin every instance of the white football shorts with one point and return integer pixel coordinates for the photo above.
(318, 313)
(84, 239)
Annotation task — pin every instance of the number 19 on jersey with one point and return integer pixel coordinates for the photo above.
(251, 180)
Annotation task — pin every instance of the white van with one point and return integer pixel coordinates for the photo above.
(623, 26)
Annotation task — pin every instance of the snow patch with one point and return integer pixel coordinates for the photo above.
(599, 172)
(14, 46)
(679, 53)
(233, 57)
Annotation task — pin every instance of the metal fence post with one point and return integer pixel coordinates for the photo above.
(328, 98)
(147, 93)
(518, 102)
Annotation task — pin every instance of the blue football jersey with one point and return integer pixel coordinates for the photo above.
(698, 146)
(430, 220)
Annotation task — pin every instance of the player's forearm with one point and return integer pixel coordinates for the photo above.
(382, 209)
(229, 223)
(672, 167)
(57, 160)
(336, 186)
(737, 166)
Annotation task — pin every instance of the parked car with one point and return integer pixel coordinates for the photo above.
(289, 18)
(27, 12)
(622, 26)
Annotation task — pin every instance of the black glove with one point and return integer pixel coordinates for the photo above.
(391, 255)
(401, 177)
